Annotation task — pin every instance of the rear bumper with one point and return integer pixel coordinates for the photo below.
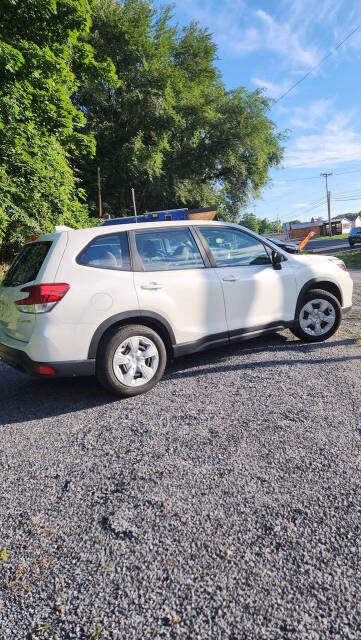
(21, 361)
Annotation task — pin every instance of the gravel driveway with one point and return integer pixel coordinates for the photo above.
(225, 504)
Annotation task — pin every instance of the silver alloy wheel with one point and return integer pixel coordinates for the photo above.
(135, 361)
(317, 317)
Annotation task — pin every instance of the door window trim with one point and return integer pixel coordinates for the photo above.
(236, 228)
(93, 266)
(137, 262)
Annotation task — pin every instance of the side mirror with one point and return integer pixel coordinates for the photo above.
(276, 260)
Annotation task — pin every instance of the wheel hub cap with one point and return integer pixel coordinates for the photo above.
(135, 361)
(317, 317)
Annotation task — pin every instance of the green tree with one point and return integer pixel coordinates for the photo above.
(250, 221)
(266, 226)
(41, 131)
(170, 129)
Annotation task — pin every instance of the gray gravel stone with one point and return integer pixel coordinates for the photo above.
(223, 505)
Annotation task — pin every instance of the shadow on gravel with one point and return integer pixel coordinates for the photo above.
(24, 399)
(271, 343)
(255, 365)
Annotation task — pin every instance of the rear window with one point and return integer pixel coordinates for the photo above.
(27, 265)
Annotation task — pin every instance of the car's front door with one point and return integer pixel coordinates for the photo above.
(256, 295)
(172, 280)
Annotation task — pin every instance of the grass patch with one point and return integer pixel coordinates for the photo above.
(96, 631)
(336, 237)
(4, 554)
(352, 259)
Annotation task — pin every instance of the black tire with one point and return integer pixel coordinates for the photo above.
(317, 294)
(351, 243)
(104, 360)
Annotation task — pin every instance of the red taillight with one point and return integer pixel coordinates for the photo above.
(31, 239)
(44, 370)
(42, 297)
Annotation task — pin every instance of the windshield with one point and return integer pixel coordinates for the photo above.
(27, 265)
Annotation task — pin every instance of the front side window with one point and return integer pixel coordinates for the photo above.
(107, 252)
(231, 247)
(168, 249)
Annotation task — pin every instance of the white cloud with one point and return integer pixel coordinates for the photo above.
(273, 89)
(240, 30)
(300, 205)
(309, 117)
(280, 185)
(336, 144)
(283, 38)
(304, 11)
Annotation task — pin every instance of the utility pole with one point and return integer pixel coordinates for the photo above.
(325, 175)
(100, 195)
(134, 207)
(278, 224)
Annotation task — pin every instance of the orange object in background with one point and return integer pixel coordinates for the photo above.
(305, 240)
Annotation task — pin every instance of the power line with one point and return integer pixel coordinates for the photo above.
(319, 64)
(346, 199)
(352, 194)
(337, 173)
(307, 207)
(302, 213)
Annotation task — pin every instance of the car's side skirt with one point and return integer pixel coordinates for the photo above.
(221, 339)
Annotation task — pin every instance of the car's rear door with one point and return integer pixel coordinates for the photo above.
(173, 281)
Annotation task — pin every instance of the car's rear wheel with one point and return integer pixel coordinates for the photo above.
(351, 243)
(130, 360)
(318, 316)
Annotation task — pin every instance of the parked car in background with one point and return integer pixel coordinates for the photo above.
(354, 236)
(122, 301)
(290, 247)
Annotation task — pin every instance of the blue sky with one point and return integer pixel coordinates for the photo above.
(271, 44)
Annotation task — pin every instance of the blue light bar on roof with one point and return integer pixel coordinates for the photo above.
(152, 216)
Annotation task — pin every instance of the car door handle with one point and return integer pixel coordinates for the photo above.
(152, 286)
(230, 279)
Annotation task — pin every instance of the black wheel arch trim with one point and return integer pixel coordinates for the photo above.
(119, 318)
(310, 285)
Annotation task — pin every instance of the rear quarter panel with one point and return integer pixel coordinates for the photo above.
(95, 294)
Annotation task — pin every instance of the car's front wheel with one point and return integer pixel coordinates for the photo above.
(130, 360)
(351, 243)
(318, 316)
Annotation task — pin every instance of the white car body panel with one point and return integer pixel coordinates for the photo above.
(271, 294)
(196, 303)
(191, 300)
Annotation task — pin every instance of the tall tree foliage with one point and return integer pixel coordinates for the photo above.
(41, 131)
(170, 129)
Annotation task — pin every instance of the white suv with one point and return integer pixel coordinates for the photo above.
(119, 301)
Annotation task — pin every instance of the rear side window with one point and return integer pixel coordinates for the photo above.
(168, 249)
(107, 252)
(27, 265)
